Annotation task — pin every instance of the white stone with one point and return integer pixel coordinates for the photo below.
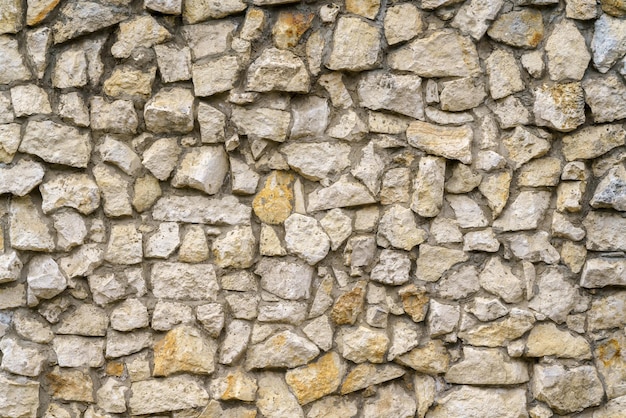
(497, 278)
(76, 191)
(278, 70)
(504, 74)
(474, 17)
(442, 318)
(182, 281)
(73, 351)
(445, 141)
(112, 396)
(392, 268)
(71, 229)
(567, 53)
(398, 93)
(215, 76)
(117, 117)
(262, 123)
(72, 108)
(317, 161)
(274, 399)
(282, 350)
(609, 41)
(487, 366)
(170, 111)
(129, 315)
(199, 209)
(398, 228)
(555, 296)
(202, 168)
(343, 193)
(525, 212)
(57, 143)
(166, 394)
(561, 106)
(305, 238)
(12, 67)
(345, 55)
(402, 22)
(125, 245)
(30, 100)
(428, 186)
(26, 359)
(174, 62)
(27, 228)
(476, 402)
(468, 212)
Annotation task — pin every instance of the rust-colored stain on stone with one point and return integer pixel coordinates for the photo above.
(41, 15)
(115, 368)
(290, 27)
(273, 204)
(348, 306)
(414, 302)
(609, 352)
(317, 379)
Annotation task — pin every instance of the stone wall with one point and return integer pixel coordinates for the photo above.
(269, 208)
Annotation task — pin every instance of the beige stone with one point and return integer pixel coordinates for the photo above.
(318, 379)
(184, 349)
(449, 142)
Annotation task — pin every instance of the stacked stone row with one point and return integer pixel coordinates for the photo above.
(270, 208)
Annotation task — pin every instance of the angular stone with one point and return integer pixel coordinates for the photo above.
(402, 22)
(182, 281)
(567, 53)
(235, 385)
(555, 296)
(235, 249)
(434, 261)
(121, 155)
(607, 312)
(504, 75)
(70, 385)
(21, 178)
(289, 28)
(173, 7)
(200, 209)
(601, 272)
(73, 351)
(77, 191)
(318, 379)
(202, 168)
(170, 111)
(215, 76)
(10, 137)
(609, 41)
(37, 44)
(487, 366)
(525, 212)
(547, 340)
(314, 247)
(278, 70)
(534, 248)
(76, 19)
(262, 123)
(333, 406)
(29, 100)
(57, 143)
(474, 402)
(540, 172)
(274, 399)
(319, 160)
(609, 192)
(170, 394)
(520, 28)
(363, 344)
(462, 94)
(593, 141)
(561, 106)
(139, 32)
(442, 318)
(212, 123)
(398, 93)
(345, 55)
(27, 228)
(282, 350)
(288, 279)
(86, 320)
(445, 141)
(125, 245)
(174, 62)
(498, 334)
(126, 82)
(567, 390)
(605, 231)
(392, 399)
(366, 375)
(11, 16)
(397, 228)
(474, 18)
(393, 268)
(23, 358)
(342, 193)
(273, 203)
(468, 213)
(211, 316)
(611, 364)
(83, 261)
(338, 226)
(184, 349)
(605, 96)
(129, 315)
(429, 358)
(443, 53)
(161, 157)
(119, 344)
(10, 267)
(117, 117)
(18, 397)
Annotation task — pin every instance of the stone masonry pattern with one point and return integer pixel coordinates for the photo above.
(285, 209)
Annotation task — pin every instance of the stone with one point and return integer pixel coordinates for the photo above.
(11, 17)
(70, 385)
(395, 185)
(500, 333)
(76, 191)
(316, 245)
(429, 358)
(212, 123)
(338, 226)
(32, 327)
(434, 261)
(74, 351)
(608, 192)
(348, 126)
(345, 55)
(211, 316)
(167, 315)
(195, 11)
(609, 360)
(317, 161)
(215, 76)
(274, 399)
(37, 43)
(161, 157)
(392, 268)
(57, 143)
(534, 248)
(398, 93)
(125, 245)
(234, 385)
(317, 379)
(82, 261)
(474, 18)
(593, 141)
(445, 230)
(117, 117)
(10, 136)
(331, 406)
(120, 344)
(476, 402)
(398, 228)
(606, 312)
(145, 192)
(121, 155)
(519, 28)
(483, 240)
(555, 296)
(170, 394)
(112, 396)
(601, 272)
(462, 94)
(140, 32)
(253, 24)
(235, 341)
(21, 178)
(402, 22)
(605, 231)
(442, 319)
(19, 398)
(289, 312)
(77, 19)
(23, 358)
(173, 7)
(443, 53)
(333, 84)
(445, 141)
(362, 344)
(85, 320)
(289, 28)
(282, 350)
(560, 106)
(12, 67)
(288, 279)
(547, 340)
(107, 288)
(277, 70)
(463, 179)
(487, 309)
(533, 63)
(525, 212)
(310, 117)
(181, 281)
(487, 366)
(504, 75)
(543, 172)
(184, 349)
(343, 193)
(202, 168)
(511, 112)
(170, 111)
(262, 123)
(30, 100)
(580, 9)
(13, 296)
(200, 209)
(70, 69)
(235, 249)
(566, 390)
(391, 399)
(273, 204)
(468, 213)
(129, 315)
(605, 96)
(27, 229)
(365, 375)
(348, 306)
(569, 66)
(608, 43)
(126, 82)
(174, 63)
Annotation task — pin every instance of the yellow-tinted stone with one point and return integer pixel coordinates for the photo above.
(115, 368)
(273, 204)
(70, 385)
(290, 27)
(184, 349)
(366, 8)
(348, 306)
(432, 358)
(318, 379)
(414, 302)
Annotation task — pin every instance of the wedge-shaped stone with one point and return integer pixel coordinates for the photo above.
(393, 268)
(162, 395)
(605, 231)
(434, 261)
(473, 402)
(487, 366)
(278, 70)
(547, 340)
(12, 66)
(610, 192)
(21, 178)
(430, 358)
(398, 93)
(446, 141)
(474, 17)
(183, 281)
(316, 380)
(351, 56)
(139, 32)
(282, 350)
(444, 53)
(288, 279)
(198, 209)
(500, 333)
(202, 168)
(366, 375)
(274, 399)
(392, 399)
(567, 390)
(363, 344)
(341, 194)
(79, 18)
(498, 279)
(184, 349)
(57, 143)
(398, 228)
(77, 191)
(560, 106)
(262, 123)
(525, 212)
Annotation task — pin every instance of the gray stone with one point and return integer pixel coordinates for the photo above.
(398, 228)
(605, 231)
(12, 67)
(519, 28)
(18, 397)
(392, 399)
(10, 137)
(462, 94)
(504, 75)
(345, 55)
(278, 70)
(215, 76)
(468, 213)
(393, 268)
(487, 366)
(601, 272)
(199, 209)
(11, 16)
(474, 17)
(274, 399)
(23, 358)
(77, 19)
(525, 212)
(555, 296)
(310, 117)
(609, 42)
(174, 62)
(606, 97)
(57, 143)
(198, 10)
(181, 281)
(567, 53)
(497, 278)
(282, 350)
(170, 111)
(77, 191)
(442, 318)
(402, 22)
(398, 93)
(21, 178)
(342, 193)
(73, 351)
(115, 190)
(434, 261)
(27, 228)
(72, 108)
(202, 168)
(139, 32)
(305, 238)
(117, 117)
(445, 141)
(85, 320)
(363, 344)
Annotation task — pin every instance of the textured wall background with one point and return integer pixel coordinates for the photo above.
(228, 208)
